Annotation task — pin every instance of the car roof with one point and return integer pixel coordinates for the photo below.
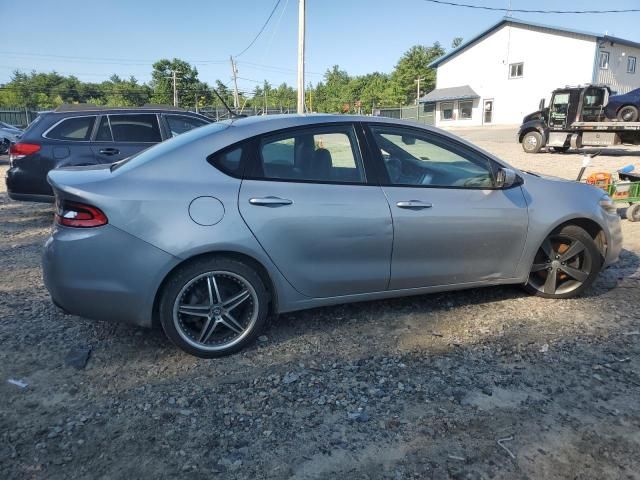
(266, 123)
(88, 107)
(82, 109)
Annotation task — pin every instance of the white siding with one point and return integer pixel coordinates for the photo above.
(551, 60)
(616, 75)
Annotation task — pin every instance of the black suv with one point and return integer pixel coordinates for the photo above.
(87, 135)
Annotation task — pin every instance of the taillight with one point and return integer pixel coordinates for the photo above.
(21, 150)
(79, 215)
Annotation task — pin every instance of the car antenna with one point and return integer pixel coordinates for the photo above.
(232, 114)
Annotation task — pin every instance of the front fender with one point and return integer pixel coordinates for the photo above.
(552, 203)
(533, 125)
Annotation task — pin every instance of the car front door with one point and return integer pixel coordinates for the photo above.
(307, 201)
(121, 135)
(451, 225)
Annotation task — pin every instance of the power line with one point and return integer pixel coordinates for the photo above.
(259, 66)
(519, 10)
(262, 29)
(105, 60)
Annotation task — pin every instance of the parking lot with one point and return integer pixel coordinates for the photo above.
(484, 383)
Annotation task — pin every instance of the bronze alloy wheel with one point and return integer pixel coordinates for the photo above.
(565, 265)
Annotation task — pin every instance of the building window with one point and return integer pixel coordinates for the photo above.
(516, 70)
(465, 109)
(604, 60)
(631, 64)
(446, 111)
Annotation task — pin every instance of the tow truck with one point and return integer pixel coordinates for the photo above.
(574, 119)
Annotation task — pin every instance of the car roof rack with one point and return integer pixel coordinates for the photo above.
(84, 107)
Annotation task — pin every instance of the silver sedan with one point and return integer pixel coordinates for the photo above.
(209, 233)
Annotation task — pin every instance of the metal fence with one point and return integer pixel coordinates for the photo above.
(421, 113)
(20, 117)
(220, 113)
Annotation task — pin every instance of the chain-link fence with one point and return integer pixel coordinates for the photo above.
(220, 113)
(18, 116)
(424, 113)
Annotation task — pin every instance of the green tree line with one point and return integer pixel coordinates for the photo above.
(337, 92)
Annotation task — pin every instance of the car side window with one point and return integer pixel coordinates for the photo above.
(181, 123)
(414, 158)
(138, 127)
(104, 131)
(73, 129)
(229, 160)
(320, 154)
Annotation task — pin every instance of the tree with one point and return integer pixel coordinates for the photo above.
(413, 64)
(456, 42)
(187, 82)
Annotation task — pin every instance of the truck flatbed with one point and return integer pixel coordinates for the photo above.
(606, 126)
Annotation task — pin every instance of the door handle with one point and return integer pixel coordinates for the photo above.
(270, 201)
(109, 151)
(413, 204)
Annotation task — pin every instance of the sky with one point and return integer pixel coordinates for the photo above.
(93, 40)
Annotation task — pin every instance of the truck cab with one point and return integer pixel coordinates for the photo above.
(560, 124)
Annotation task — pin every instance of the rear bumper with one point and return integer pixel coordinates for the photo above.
(30, 197)
(104, 273)
(24, 185)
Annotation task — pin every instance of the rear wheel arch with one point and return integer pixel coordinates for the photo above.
(240, 257)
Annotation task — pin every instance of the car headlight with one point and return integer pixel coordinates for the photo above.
(607, 204)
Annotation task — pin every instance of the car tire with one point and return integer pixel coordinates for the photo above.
(532, 142)
(572, 257)
(633, 212)
(628, 113)
(204, 311)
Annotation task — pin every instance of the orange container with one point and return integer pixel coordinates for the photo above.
(600, 179)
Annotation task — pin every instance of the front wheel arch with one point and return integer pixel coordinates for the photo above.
(533, 129)
(592, 227)
(241, 257)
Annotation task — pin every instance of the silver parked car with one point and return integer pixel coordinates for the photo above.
(8, 135)
(210, 232)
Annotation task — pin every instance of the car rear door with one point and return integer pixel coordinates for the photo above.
(451, 226)
(121, 135)
(307, 201)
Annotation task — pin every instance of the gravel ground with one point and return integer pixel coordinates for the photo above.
(485, 383)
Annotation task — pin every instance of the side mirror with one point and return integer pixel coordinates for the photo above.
(541, 104)
(506, 178)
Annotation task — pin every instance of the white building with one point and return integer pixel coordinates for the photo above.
(501, 74)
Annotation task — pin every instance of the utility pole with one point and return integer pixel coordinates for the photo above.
(418, 80)
(175, 89)
(301, 25)
(264, 91)
(234, 72)
(174, 78)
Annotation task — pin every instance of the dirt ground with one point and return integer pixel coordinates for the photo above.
(485, 383)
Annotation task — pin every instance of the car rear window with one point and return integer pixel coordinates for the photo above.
(181, 123)
(76, 129)
(229, 160)
(142, 128)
